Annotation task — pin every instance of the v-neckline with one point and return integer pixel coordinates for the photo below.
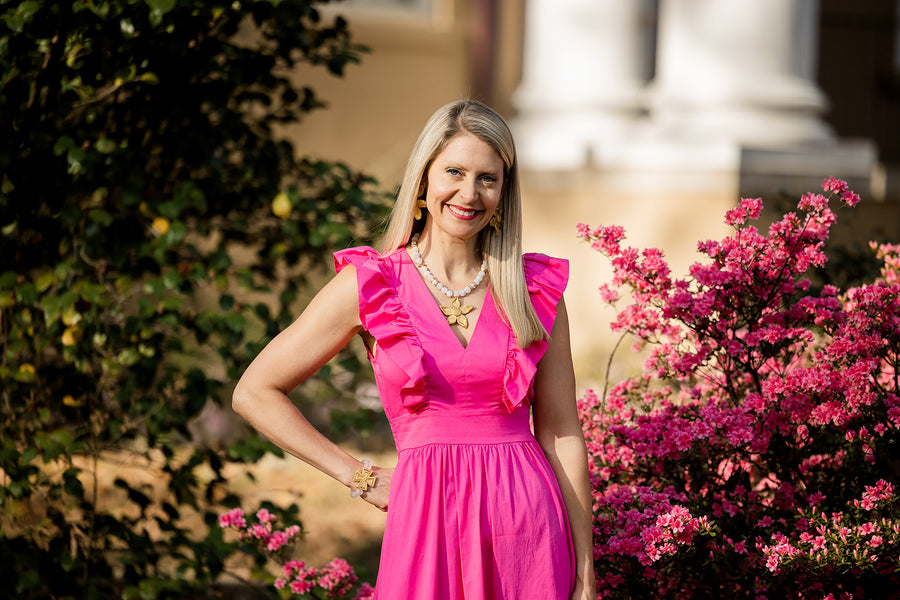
(436, 310)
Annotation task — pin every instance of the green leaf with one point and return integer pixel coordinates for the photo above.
(101, 217)
(8, 279)
(63, 145)
(22, 16)
(219, 261)
(28, 455)
(172, 303)
(26, 294)
(226, 301)
(262, 311)
(44, 281)
(235, 321)
(158, 9)
(101, 9)
(71, 483)
(163, 6)
(105, 145)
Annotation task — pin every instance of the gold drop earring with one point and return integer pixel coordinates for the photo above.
(420, 201)
(497, 220)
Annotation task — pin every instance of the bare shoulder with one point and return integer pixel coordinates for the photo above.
(339, 299)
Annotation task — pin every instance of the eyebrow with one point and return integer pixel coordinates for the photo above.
(448, 163)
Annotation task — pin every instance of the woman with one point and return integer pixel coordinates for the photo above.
(464, 333)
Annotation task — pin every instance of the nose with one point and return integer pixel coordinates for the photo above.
(469, 189)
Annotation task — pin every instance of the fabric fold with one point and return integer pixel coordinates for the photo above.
(384, 316)
(546, 278)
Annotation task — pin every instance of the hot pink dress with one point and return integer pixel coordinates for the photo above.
(475, 509)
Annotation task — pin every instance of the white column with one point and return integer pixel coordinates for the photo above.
(585, 65)
(739, 72)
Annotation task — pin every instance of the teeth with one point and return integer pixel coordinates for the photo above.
(461, 212)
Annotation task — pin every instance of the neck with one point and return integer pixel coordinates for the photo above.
(451, 259)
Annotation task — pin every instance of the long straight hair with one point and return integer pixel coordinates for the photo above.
(502, 251)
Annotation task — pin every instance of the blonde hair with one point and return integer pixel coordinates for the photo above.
(502, 251)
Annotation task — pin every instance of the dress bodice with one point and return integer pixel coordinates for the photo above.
(420, 365)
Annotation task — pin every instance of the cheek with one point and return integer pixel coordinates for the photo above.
(438, 192)
(493, 201)
(433, 198)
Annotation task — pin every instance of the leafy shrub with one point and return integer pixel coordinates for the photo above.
(154, 234)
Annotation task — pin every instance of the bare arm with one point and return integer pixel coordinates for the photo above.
(559, 433)
(330, 320)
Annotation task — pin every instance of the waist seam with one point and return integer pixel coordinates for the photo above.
(501, 443)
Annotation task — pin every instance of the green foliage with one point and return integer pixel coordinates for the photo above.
(155, 233)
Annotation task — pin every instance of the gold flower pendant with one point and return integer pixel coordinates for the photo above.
(456, 314)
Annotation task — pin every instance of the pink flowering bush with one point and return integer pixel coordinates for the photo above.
(756, 455)
(334, 581)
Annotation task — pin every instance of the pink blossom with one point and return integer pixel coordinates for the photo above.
(301, 586)
(366, 592)
(836, 186)
(276, 541)
(264, 516)
(293, 566)
(608, 293)
(233, 518)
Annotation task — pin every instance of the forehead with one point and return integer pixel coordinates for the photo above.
(466, 148)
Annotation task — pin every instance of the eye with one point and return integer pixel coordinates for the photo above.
(454, 171)
(486, 178)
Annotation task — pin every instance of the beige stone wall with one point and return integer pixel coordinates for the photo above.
(417, 63)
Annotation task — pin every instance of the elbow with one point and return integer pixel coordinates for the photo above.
(241, 399)
(567, 446)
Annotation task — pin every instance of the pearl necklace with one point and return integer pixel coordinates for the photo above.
(455, 313)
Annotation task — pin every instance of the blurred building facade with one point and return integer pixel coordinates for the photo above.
(652, 114)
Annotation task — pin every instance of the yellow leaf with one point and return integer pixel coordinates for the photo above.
(26, 368)
(281, 206)
(68, 400)
(160, 225)
(73, 55)
(71, 317)
(71, 336)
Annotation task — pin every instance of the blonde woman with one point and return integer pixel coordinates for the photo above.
(466, 336)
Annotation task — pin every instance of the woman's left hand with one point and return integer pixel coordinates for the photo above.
(379, 494)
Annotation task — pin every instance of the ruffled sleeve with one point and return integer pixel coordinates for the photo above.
(399, 355)
(546, 278)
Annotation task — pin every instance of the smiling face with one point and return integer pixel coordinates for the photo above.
(465, 185)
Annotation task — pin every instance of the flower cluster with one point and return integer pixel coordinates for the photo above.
(870, 525)
(335, 580)
(672, 529)
(766, 408)
(261, 533)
